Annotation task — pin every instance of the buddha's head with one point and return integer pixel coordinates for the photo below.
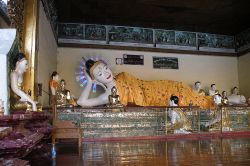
(62, 84)
(224, 94)
(235, 91)
(197, 85)
(174, 100)
(114, 91)
(217, 99)
(213, 87)
(55, 76)
(99, 71)
(20, 63)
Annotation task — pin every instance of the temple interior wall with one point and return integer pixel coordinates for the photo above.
(3, 23)
(244, 70)
(225, 72)
(221, 70)
(47, 55)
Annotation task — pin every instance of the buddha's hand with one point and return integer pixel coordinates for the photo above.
(34, 108)
(23, 99)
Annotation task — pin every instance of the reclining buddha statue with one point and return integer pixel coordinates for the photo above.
(136, 91)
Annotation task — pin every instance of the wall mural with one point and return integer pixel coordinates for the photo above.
(185, 38)
(70, 31)
(95, 32)
(164, 37)
(243, 40)
(130, 35)
(145, 37)
(215, 41)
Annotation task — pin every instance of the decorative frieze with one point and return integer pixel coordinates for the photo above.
(144, 37)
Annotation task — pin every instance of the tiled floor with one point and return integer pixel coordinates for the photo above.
(155, 153)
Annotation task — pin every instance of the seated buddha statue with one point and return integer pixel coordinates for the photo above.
(136, 91)
(224, 99)
(64, 98)
(114, 98)
(179, 121)
(198, 89)
(235, 98)
(19, 100)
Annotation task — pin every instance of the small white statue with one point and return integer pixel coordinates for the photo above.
(212, 90)
(217, 99)
(198, 88)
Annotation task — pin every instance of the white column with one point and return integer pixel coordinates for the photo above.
(7, 37)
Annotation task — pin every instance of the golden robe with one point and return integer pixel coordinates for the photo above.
(157, 93)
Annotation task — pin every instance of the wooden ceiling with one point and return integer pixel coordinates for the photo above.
(213, 16)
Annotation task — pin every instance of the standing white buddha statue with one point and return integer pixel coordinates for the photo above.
(212, 90)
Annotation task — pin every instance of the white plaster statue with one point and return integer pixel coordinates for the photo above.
(198, 88)
(16, 79)
(179, 120)
(99, 72)
(212, 90)
(235, 98)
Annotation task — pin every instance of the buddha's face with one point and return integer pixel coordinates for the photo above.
(213, 87)
(62, 84)
(217, 99)
(224, 93)
(198, 85)
(22, 65)
(102, 73)
(56, 78)
(114, 90)
(235, 91)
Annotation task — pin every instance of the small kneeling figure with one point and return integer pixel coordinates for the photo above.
(179, 121)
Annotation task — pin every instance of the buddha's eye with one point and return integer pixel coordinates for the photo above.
(106, 67)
